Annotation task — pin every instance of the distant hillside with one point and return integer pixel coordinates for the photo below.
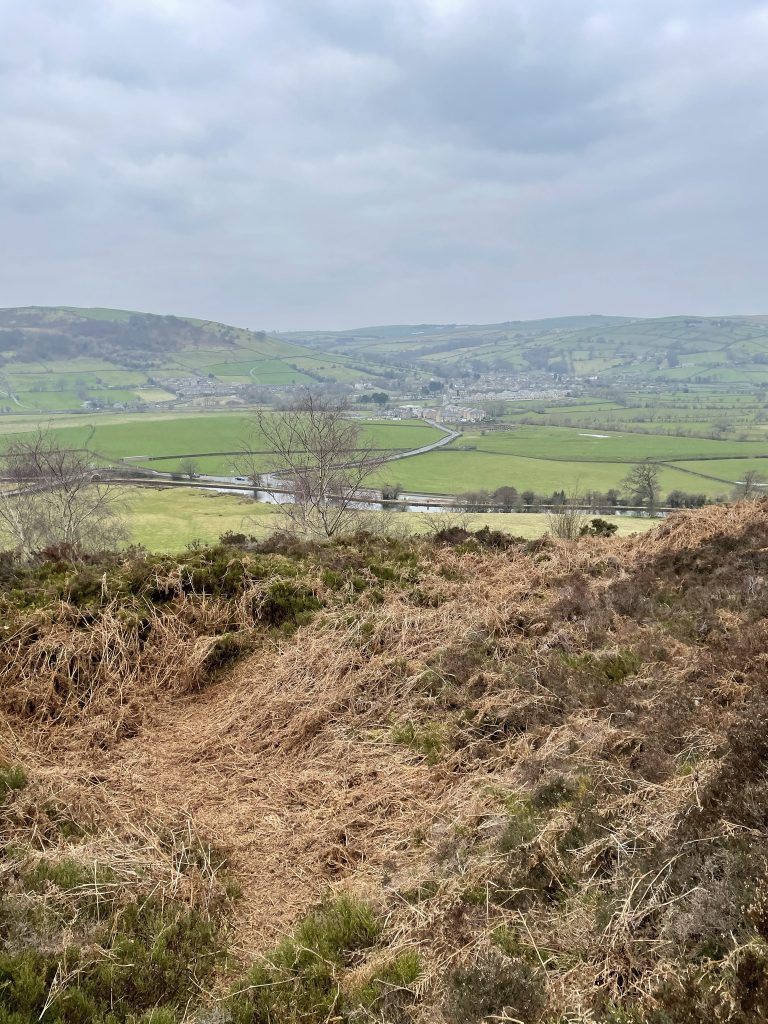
(34, 334)
(57, 358)
(692, 349)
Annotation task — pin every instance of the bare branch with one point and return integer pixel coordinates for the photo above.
(52, 496)
(318, 455)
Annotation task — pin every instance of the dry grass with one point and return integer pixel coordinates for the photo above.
(576, 715)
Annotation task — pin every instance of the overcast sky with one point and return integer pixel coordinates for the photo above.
(334, 163)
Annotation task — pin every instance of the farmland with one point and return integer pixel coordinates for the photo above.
(60, 359)
(680, 350)
(160, 440)
(690, 394)
(169, 520)
(524, 454)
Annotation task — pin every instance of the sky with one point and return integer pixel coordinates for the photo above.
(297, 164)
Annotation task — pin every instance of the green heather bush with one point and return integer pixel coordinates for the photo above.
(287, 603)
(300, 980)
(156, 954)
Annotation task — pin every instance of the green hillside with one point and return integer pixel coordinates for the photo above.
(679, 349)
(58, 358)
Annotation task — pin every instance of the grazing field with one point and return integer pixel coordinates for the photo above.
(63, 346)
(568, 444)
(455, 472)
(170, 520)
(153, 438)
(704, 442)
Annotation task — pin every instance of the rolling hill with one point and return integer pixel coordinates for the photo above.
(675, 350)
(57, 358)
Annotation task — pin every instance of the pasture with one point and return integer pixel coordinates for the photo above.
(161, 440)
(169, 520)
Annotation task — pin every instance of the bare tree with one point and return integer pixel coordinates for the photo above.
(189, 467)
(567, 521)
(642, 482)
(52, 496)
(751, 487)
(319, 456)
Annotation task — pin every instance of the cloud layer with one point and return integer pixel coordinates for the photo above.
(298, 163)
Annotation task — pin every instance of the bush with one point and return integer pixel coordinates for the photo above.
(598, 528)
(494, 986)
(566, 522)
(300, 979)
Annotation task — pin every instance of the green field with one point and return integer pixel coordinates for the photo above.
(169, 520)
(565, 444)
(455, 472)
(539, 458)
(155, 437)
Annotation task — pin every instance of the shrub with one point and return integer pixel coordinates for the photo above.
(598, 528)
(495, 986)
(286, 603)
(300, 979)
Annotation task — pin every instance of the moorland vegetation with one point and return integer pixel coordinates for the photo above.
(449, 779)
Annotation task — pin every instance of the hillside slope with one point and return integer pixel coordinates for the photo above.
(627, 350)
(523, 780)
(87, 352)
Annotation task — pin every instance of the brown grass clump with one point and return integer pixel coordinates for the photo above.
(544, 767)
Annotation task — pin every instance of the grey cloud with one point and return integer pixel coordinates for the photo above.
(329, 162)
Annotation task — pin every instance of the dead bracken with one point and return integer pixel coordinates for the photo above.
(391, 779)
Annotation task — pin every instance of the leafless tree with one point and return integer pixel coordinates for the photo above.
(566, 521)
(189, 467)
(751, 487)
(642, 482)
(50, 495)
(320, 456)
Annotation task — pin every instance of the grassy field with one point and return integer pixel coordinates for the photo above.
(169, 520)
(567, 444)
(177, 434)
(705, 441)
(452, 472)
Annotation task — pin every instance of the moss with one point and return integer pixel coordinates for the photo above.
(427, 739)
(12, 779)
(612, 667)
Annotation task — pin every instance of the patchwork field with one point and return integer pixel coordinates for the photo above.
(679, 350)
(49, 355)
